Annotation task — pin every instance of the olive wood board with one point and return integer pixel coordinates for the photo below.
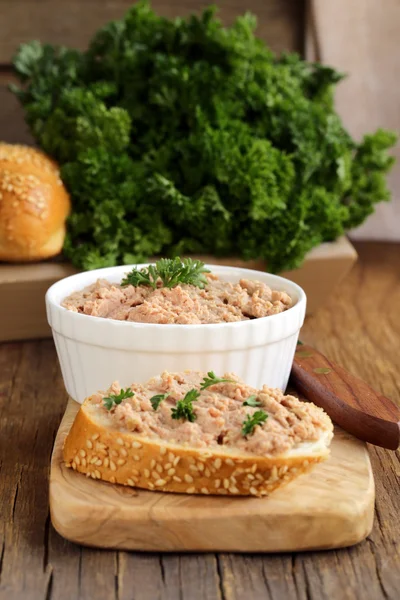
(330, 507)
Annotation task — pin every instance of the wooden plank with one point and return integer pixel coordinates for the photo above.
(28, 416)
(72, 23)
(22, 320)
(333, 508)
(152, 576)
(255, 577)
(359, 327)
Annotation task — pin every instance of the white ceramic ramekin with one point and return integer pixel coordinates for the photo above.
(93, 352)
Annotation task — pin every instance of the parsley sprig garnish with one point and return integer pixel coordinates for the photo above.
(212, 379)
(157, 399)
(252, 401)
(184, 407)
(258, 418)
(114, 399)
(171, 272)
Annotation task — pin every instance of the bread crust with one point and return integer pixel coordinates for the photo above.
(129, 459)
(34, 205)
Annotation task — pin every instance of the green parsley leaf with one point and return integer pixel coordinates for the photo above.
(187, 137)
(212, 379)
(258, 418)
(171, 272)
(157, 399)
(252, 401)
(114, 399)
(184, 407)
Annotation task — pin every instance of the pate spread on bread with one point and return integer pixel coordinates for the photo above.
(193, 432)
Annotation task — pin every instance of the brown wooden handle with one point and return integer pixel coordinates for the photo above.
(349, 401)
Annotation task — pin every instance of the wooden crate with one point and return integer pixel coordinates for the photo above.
(22, 287)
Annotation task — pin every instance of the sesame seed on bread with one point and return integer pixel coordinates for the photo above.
(34, 205)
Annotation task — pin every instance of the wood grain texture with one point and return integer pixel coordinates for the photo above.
(73, 22)
(348, 400)
(19, 320)
(359, 327)
(330, 507)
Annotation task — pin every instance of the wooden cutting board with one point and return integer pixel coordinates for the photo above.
(330, 507)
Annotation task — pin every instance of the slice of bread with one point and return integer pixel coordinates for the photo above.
(100, 447)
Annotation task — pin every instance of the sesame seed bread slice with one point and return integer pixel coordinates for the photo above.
(95, 447)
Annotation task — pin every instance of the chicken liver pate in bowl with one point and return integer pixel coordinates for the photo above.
(240, 321)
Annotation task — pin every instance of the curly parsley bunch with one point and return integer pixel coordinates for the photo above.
(183, 136)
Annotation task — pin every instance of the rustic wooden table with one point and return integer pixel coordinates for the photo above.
(359, 328)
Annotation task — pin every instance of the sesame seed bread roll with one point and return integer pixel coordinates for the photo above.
(34, 205)
(130, 442)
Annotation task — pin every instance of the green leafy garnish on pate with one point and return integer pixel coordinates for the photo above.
(115, 399)
(157, 399)
(184, 407)
(258, 418)
(170, 272)
(252, 401)
(212, 379)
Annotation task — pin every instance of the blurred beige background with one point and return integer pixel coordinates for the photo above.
(359, 37)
